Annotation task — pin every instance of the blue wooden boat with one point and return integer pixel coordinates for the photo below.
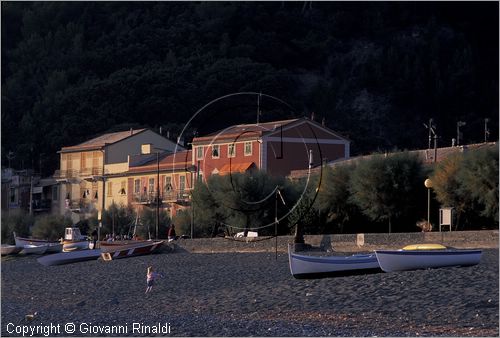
(432, 256)
(306, 266)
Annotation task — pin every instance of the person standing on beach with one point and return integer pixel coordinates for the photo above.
(150, 278)
(171, 233)
(94, 238)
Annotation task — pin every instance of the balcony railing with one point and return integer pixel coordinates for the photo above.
(73, 173)
(82, 205)
(91, 172)
(166, 196)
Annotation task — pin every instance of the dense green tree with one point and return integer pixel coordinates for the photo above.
(118, 219)
(146, 227)
(478, 178)
(386, 188)
(50, 227)
(448, 189)
(333, 198)
(19, 223)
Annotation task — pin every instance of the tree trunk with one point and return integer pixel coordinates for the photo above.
(247, 226)
(299, 234)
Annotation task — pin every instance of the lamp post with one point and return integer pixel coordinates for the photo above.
(157, 200)
(428, 185)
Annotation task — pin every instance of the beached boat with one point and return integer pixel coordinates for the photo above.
(54, 247)
(123, 249)
(74, 240)
(426, 256)
(306, 266)
(69, 257)
(8, 249)
(22, 241)
(30, 249)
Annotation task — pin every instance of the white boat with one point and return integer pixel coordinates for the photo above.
(69, 257)
(306, 266)
(22, 241)
(54, 247)
(426, 256)
(8, 249)
(74, 240)
(123, 249)
(34, 249)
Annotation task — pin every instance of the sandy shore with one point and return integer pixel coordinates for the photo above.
(246, 294)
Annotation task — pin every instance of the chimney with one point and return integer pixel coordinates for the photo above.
(146, 148)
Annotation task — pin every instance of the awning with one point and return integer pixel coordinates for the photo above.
(236, 168)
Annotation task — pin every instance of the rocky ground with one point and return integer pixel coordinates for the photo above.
(246, 294)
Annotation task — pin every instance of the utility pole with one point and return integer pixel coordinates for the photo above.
(486, 131)
(258, 106)
(459, 124)
(432, 133)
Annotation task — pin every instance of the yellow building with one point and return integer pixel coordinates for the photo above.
(84, 168)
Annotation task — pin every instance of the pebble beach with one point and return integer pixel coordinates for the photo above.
(244, 294)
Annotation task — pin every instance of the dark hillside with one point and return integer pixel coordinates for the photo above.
(374, 70)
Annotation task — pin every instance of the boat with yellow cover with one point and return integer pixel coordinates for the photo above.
(424, 247)
(425, 256)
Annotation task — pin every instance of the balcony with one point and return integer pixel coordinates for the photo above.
(82, 205)
(65, 174)
(166, 196)
(90, 172)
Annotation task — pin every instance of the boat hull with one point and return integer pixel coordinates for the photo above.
(401, 260)
(10, 249)
(54, 247)
(302, 266)
(111, 252)
(21, 241)
(69, 246)
(34, 249)
(69, 257)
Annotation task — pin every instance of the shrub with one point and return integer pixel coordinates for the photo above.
(50, 227)
(19, 223)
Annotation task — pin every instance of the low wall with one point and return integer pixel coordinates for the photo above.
(345, 242)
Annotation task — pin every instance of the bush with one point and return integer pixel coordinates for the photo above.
(50, 227)
(19, 223)
(478, 178)
(117, 220)
(182, 221)
(147, 225)
(388, 189)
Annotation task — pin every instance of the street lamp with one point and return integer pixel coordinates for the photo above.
(428, 185)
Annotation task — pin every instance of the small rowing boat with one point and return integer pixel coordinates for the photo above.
(30, 249)
(70, 257)
(426, 256)
(306, 266)
(22, 241)
(123, 249)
